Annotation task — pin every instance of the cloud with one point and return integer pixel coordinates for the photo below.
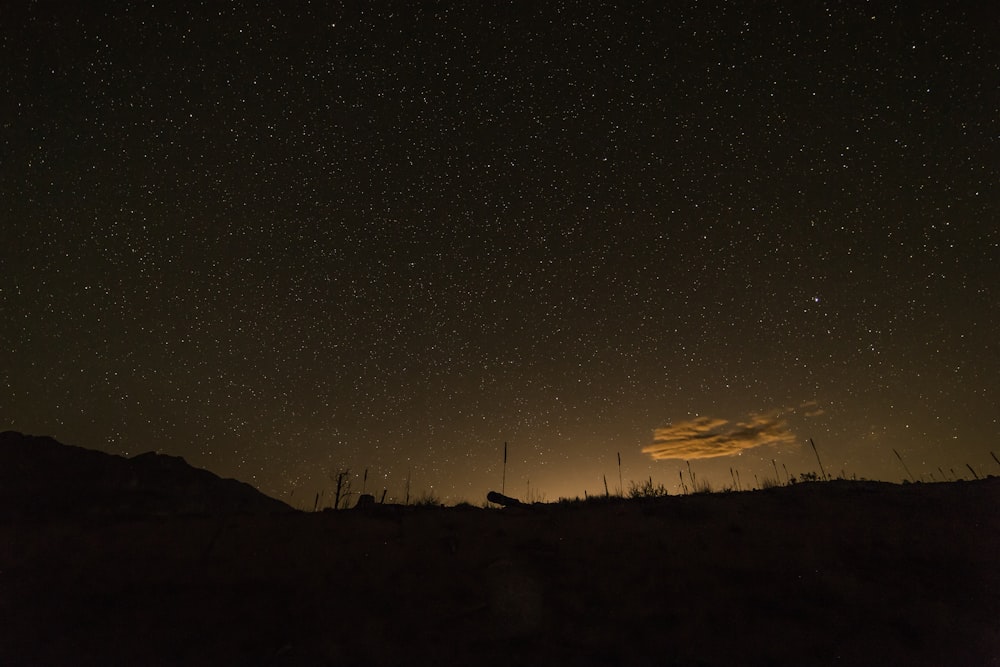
(707, 437)
(811, 409)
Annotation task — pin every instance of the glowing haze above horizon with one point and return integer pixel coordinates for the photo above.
(283, 241)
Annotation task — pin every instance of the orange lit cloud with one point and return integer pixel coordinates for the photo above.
(812, 409)
(707, 437)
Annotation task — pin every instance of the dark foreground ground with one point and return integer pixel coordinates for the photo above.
(816, 574)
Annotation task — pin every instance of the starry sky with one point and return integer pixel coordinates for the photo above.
(287, 239)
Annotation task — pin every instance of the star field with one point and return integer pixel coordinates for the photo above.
(282, 241)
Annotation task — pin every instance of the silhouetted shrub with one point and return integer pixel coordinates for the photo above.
(427, 499)
(646, 490)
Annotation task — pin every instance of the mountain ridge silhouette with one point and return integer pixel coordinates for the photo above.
(41, 477)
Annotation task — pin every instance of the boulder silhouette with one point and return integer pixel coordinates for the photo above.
(365, 501)
(501, 499)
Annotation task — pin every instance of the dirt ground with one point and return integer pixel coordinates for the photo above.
(833, 573)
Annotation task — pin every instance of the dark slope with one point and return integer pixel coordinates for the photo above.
(42, 478)
(830, 574)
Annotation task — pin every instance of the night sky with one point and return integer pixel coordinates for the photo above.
(286, 239)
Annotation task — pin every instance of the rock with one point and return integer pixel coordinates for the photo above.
(501, 499)
(365, 501)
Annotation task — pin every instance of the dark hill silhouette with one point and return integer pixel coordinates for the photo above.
(819, 574)
(43, 478)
